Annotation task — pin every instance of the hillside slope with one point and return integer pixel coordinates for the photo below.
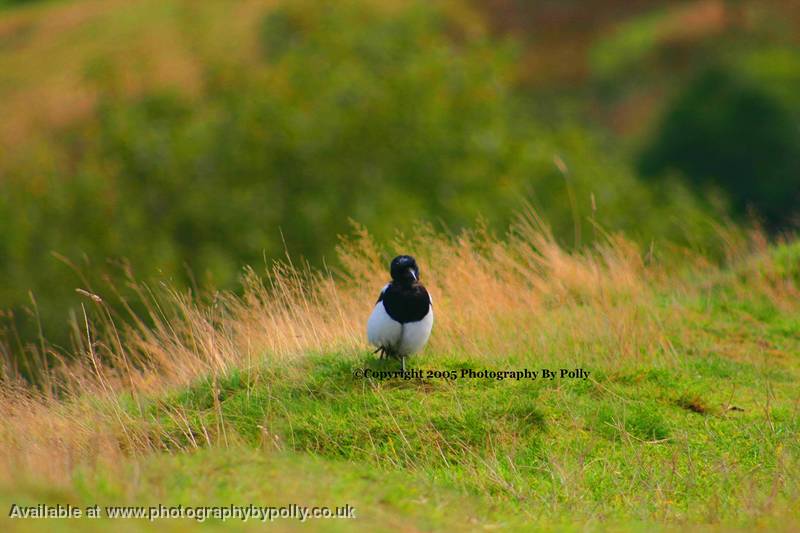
(682, 408)
(52, 52)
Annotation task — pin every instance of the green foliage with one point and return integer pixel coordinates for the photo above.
(735, 128)
(353, 112)
(628, 45)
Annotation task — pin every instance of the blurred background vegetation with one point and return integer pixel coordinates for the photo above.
(181, 140)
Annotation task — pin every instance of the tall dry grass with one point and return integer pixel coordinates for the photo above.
(522, 295)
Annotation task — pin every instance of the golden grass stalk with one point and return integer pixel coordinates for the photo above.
(523, 295)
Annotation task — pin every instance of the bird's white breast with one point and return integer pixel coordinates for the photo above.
(408, 338)
(383, 330)
(416, 334)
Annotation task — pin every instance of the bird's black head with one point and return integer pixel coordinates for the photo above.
(404, 269)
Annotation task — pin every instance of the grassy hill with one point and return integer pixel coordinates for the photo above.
(688, 416)
(52, 52)
(177, 141)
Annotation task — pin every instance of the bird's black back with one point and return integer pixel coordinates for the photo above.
(406, 302)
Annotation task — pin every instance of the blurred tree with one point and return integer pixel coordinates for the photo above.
(736, 127)
(392, 116)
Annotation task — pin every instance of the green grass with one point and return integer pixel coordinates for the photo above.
(708, 440)
(702, 430)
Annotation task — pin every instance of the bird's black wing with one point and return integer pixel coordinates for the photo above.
(406, 303)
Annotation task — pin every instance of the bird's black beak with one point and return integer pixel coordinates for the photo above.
(413, 274)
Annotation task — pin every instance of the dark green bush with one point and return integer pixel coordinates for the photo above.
(736, 127)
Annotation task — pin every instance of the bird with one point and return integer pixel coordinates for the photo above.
(401, 322)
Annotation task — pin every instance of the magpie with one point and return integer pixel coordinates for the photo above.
(402, 319)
